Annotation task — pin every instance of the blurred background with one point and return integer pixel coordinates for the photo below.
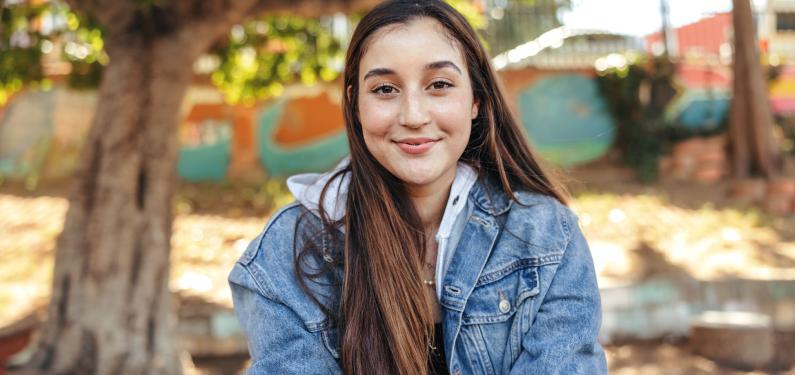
(681, 162)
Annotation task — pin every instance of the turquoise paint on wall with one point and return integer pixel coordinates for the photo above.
(315, 156)
(206, 162)
(699, 109)
(566, 119)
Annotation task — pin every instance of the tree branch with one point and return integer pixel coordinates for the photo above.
(114, 15)
(314, 8)
(205, 21)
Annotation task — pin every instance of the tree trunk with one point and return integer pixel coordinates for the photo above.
(750, 124)
(111, 310)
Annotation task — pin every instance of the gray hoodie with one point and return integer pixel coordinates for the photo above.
(306, 188)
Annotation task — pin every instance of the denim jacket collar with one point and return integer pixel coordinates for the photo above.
(489, 197)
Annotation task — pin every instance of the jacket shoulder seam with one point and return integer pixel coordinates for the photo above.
(258, 276)
(249, 256)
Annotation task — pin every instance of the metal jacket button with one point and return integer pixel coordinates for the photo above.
(505, 306)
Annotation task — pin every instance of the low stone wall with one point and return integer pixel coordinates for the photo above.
(658, 308)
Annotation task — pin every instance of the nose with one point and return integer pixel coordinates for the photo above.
(413, 113)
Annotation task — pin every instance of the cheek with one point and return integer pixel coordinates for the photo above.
(375, 118)
(454, 115)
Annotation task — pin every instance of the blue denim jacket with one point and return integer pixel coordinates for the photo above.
(519, 295)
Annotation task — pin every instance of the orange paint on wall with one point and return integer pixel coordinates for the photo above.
(244, 127)
(307, 120)
(244, 149)
(204, 111)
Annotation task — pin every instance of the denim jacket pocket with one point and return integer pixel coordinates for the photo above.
(498, 294)
(498, 311)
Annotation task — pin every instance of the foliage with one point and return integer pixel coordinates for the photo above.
(83, 48)
(263, 54)
(639, 129)
(255, 62)
(471, 11)
(20, 47)
(643, 134)
(30, 32)
(267, 52)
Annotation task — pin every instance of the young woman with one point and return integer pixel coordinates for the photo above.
(440, 245)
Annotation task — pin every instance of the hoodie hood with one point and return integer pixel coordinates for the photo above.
(306, 189)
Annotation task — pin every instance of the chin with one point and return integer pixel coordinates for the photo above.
(417, 176)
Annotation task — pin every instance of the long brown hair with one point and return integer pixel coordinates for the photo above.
(384, 321)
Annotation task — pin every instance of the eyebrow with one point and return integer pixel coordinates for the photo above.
(430, 66)
(443, 64)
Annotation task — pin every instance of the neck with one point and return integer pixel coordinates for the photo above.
(430, 200)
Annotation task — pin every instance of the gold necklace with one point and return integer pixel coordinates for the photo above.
(431, 266)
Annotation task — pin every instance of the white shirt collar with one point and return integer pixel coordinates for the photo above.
(306, 188)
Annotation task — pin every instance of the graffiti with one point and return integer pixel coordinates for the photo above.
(563, 114)
(698, 109)
(206, 137)
(41, 134)
(566, 119)
(703, 99)
(301, 135)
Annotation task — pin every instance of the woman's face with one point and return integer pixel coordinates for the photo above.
(415, 102)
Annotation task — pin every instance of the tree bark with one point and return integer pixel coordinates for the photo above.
(111, 310)
(754, 151)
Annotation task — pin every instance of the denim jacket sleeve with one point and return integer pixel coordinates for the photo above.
(278, 341)
(563, 337)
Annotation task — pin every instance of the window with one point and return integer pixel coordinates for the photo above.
(785, 21)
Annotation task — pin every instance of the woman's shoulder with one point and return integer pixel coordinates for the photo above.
(269, 262)
(543, 219)
(278, 230)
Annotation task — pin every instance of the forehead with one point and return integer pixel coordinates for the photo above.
(402, 46)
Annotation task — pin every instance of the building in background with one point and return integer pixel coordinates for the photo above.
(777, 29)
(708, 39)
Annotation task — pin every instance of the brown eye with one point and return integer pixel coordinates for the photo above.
(439, 85)
(384, 89)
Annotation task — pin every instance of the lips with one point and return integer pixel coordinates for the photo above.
(415, 146)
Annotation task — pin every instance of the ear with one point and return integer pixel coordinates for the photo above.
(475, 106)
(349, 91)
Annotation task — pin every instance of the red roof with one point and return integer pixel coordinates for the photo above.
(704, 36)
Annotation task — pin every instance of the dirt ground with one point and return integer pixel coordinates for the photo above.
(640, 230)
(668, 358)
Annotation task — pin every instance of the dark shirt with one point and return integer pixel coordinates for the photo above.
(438, 364)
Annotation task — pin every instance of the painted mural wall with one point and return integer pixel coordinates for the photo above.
(562, 112)
(566, 118)
(41, 134)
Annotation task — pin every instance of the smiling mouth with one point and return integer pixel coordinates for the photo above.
(416, 141)
(415, 146)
